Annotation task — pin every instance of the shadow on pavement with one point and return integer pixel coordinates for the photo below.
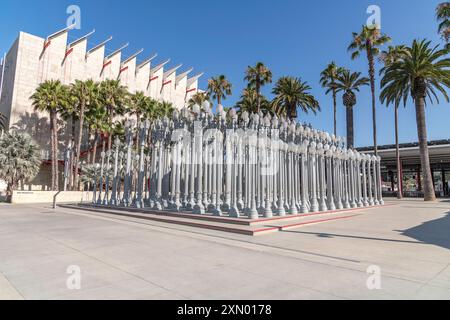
(334, 235)
(436, 232)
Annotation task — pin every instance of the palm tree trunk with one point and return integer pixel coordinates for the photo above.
(350, 133)
(428, 187)
(138, 124)
(78, 147)
(397, 151)
(72, 155)
(335, 112)
(94, 148)
(372, 88)
(110, 128)
(258, 99)
(54, 138)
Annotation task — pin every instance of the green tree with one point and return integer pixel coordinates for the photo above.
(97, 123)
(369, 41)
(113, 96)
(393, 54)
(19, 160)
(422, 72)
(138, 103)
(219, 88)
(257, 77)
(199, 98)
(84, 95)
(51, 96)
(291, 93)
(249, 102)
(443, 17)
(349, 83)
(328, 80)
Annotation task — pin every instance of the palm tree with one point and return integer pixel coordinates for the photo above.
(219, 88)
(69, 114)
(113, 95)
(349, 83)
(249, 102)
(257, 77)
(422, 72)
(164, 109)
(97, 123)
(393, 54)
(327, 80)
(51, 96)
(443, 17)
(19, 159)
(198, 99)
(3, 120)
(138, 104)
(369, 40)
(84, 94)
(291, 93)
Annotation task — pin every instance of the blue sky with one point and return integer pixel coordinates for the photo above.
(292, 37)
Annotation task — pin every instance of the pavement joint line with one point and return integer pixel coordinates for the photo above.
(12, 286)
(434, 277)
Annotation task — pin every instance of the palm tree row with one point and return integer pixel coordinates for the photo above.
(95, 107)
(290, 93)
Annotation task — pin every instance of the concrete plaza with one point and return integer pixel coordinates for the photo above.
(126, 258)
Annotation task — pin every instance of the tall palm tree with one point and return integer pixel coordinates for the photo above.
(50, 96)
(113, 95)
(251, 101)
(164, 109)
(97, 123)
(424, 71)
(327, 80)
(19, 159)
(393, 54)
(350, 82)
(369, 40)
(219, 88)
(443, 17)
(69, 114)
(198, 99)
(137, 105)
(84, 94)
(291, 93)
(257, 77)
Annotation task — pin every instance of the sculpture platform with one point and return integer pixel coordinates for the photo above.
(249, 227)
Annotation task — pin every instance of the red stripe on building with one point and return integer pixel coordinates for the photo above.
(154, 78)
(106, 64)
(68, 52)
(191, 90)
(167, 82)
(46, 44)
(123, 69)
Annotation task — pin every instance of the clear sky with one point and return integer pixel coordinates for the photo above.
(292, 37)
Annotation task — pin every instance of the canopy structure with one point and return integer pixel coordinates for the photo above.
(248, 165)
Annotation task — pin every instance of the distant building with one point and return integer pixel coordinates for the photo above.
(411, 175)
(32, 60)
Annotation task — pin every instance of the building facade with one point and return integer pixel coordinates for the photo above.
(32, 60)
